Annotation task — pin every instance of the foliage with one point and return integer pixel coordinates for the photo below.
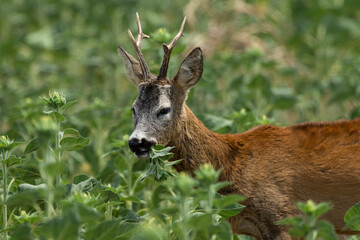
(352, 217)
(309, 226)
(190, 208)
(117, 205)
(159, 157)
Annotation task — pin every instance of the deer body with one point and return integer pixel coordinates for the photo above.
(274, 167)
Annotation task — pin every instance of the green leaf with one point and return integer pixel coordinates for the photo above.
(231, 210)
(65, 227)
(199, 220)
(326, 231)
(321, 209)
(222, 230)
(290, 221)
(73, 143)
(103, 231)
(158, 151)
(158, 147)
(29, 187)
(58, 117)
(149, 172)
(80, 178)
(298, 227)
(68, 104)
(86, 214)
(312, 209)
(14, 144)
(132, 198)
(159, 157)
(220, 185)
(27, 174)
(30, 218)
(32, 146)
(25, 198)
(13, 161)
(52, 168)
(129, 215)
(156, 196)
(162, 175)
(144, 232)
(112, 229)
(85, 186)
(22, 232)
(171, 163)
(352, 217)
(71, 132)
(224, 201)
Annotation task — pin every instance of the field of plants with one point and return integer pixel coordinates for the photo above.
(65, 117)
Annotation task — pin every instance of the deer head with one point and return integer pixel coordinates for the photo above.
(159, 107)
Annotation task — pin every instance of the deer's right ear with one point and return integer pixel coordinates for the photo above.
(132, 67)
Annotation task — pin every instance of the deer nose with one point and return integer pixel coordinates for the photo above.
(140, 147)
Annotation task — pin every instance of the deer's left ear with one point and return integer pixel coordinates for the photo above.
(190, 70)
(132, 67)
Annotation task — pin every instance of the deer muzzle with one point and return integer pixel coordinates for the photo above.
(141, 147)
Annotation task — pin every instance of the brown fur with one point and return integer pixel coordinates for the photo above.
(276, 167)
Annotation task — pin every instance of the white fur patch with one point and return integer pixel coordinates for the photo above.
(140, 133)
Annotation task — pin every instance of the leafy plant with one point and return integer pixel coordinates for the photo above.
(8, 160)
(309, 226)
(190, 207)
(159, 162)
(69, 139)
(352, 217)
(237, 121)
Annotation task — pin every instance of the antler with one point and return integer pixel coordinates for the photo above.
(167, 52)
(137, 45)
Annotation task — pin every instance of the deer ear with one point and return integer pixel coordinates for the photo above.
(132, 67)
(190, 69)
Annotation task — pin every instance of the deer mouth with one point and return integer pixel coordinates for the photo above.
(142, 154)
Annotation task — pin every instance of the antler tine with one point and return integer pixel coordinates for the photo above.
(137, 45)
(167, 52)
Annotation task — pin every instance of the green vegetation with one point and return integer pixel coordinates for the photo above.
(278, 62)
(309, 226)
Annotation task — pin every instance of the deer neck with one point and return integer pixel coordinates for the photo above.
(196, 145)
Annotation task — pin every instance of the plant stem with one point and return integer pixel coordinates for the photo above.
(129, 182)
(108, 215)
(49, 181)
(184, 213)
(57, 152)
(4, 172)
(49, 205)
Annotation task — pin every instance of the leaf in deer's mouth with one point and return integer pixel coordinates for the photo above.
(159, 157)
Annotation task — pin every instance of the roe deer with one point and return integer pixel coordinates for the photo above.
(274, 167)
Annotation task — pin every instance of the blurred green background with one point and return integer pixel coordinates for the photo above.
(292, 61)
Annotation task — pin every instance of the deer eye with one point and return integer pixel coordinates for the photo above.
(164, 111)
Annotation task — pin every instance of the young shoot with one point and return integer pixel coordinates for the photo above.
(159, 163)
(308, 226)
(6, 145)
